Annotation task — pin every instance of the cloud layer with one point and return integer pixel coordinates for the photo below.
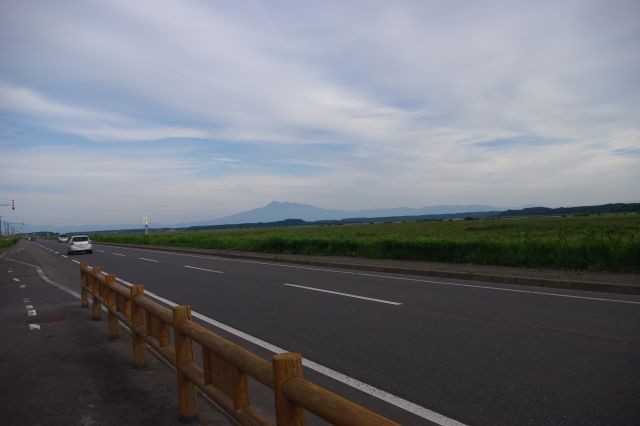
(192, 110)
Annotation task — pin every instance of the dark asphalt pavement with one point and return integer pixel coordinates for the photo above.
(59, 368)
(441, 349)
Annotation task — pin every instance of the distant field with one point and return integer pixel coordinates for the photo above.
(598, 243)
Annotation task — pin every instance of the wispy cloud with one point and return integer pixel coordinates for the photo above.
(342, 104)
(94, 125)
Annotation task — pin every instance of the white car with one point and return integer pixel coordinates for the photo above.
(79, 243)
(63, 238)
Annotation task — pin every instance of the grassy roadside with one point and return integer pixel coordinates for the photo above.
(7, 242)
(595, 243)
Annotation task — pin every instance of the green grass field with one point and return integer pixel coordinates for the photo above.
(7, 242)
(597, 243)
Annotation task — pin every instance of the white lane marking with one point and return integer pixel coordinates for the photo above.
(75, 261)
(378, 393)
(34, 327)
(118, 254)
(418, 280)
(101, 251)
(56, 252)
(16, 280)
(31, 313)
(45, 278)
(64, 255)
(148, 260)
(203, 269)
(26, 300)
(344, 294)
(23, 286)
(28, 306)
(409, 406)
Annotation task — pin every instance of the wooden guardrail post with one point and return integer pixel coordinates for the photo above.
(95, 306)
(84, 282)
(111, 307)
(286, 366)
(184, 355)
(137, 326)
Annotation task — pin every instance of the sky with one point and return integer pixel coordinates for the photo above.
(192, 110)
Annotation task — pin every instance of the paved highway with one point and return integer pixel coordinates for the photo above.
(418, 350)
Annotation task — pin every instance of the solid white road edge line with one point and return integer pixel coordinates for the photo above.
(344, 294)
(409, 406)
(365, 274)
(394, 400)
(203, 269)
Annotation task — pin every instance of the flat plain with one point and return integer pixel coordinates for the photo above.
(594, 242)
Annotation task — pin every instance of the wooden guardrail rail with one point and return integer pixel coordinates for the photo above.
(226, 367)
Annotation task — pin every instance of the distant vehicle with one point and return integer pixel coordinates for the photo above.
(63, 238)
(79, 243)
(32, 238)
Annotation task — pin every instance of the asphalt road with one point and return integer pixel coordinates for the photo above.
(414, 349)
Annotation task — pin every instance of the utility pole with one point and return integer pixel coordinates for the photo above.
(13, 207)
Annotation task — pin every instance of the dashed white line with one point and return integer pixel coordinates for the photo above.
(16, 280)
(31, 312)
(23, 286)
(34, 327)
(344, 294)
(148, 260)
(75, 261)
(101, 251)
(64, 255)
(409, 406)
(417, 280)
(118, 254)
(203, 269)
(28, 306)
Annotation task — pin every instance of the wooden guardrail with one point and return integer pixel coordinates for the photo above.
(226, 367)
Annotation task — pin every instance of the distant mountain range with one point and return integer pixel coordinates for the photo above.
(290, 214)
(277, 211)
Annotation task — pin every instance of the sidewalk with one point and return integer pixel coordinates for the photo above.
(59, 368)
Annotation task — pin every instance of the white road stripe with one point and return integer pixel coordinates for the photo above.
(203, 269)
(28, 306)
(418, 280)
(344, 294)
(349, 381)
(148, 260)
(75, 261)
(64, 256)
(101, 251)
(409, 406)
(118, 254)
(16, 280)
(34, 327)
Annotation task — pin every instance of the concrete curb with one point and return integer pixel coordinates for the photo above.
(599, 286)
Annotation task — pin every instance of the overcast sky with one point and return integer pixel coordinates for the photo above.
(191, 110)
